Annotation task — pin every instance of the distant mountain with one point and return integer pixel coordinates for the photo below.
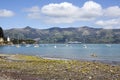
(61, 35)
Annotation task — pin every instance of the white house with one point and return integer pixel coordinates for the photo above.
(1, 40)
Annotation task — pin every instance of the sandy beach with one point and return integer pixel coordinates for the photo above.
(25, 67)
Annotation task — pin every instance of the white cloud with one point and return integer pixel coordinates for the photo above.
(34, 12)
(67, 13)
(113, 11)
(112, 14)
(60, 13)
(92, 9)
(34, 15)
(113, 23)
(59, 20)
(33, 9)
(6, 13)
(59, 10)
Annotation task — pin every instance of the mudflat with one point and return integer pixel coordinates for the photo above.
(26, 67)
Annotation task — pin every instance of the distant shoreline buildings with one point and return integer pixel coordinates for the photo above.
(2, 38)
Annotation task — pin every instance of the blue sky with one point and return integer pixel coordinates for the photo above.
(59, 13)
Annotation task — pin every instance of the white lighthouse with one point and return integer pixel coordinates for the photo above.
(8, 39)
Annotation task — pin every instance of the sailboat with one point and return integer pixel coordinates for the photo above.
(27, 45)
(109, 39)
(55, 46)
(18, 43)
(108, 45)
(66, 45)
(84, 45)
(36, 45)
(93, 55)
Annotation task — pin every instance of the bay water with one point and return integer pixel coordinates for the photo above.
(109, 52)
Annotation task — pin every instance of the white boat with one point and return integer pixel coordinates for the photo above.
(55, 46)
(18, 43)
(18, 46)
(28, 45)
(12, 45)
(36, 45)
(93, 55)
(74, 42)
(66, 45)
(84, 46)
(108, 45)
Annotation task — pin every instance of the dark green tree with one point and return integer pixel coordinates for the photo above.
(1, 33)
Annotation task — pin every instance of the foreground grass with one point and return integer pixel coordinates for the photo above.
(34, 68)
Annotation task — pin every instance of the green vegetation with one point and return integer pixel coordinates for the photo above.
(22, 41)
(32, 67)
(1, 33)
(64, 35)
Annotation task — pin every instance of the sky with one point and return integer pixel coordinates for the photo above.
(44, 14)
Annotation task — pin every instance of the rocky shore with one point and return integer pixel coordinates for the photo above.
(25, 67)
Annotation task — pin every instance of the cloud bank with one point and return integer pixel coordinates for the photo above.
(68, 13)
(109, 23)
(34, 12)
(6, 13)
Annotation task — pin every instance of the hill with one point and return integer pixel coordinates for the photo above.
(61, 35)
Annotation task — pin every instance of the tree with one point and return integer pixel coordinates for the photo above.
(1, 33)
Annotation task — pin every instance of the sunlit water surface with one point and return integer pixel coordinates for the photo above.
(69, 51)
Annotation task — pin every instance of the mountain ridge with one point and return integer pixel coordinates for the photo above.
(61, 35)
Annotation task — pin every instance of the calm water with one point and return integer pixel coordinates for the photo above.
(70, 51)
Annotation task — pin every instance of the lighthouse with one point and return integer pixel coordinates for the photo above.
(8, 39)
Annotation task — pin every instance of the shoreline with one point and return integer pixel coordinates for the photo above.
(113, 62)
(11, 57)
(26, 67)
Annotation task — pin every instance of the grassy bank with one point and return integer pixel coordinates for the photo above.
(26, 67)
